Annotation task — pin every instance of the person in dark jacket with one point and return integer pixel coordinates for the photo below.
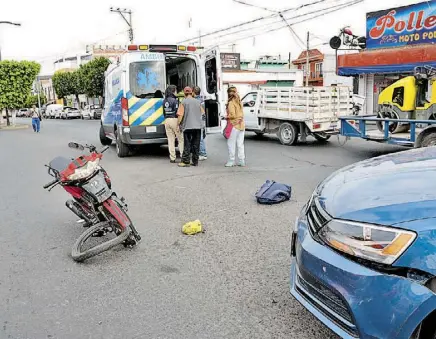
(170, 106)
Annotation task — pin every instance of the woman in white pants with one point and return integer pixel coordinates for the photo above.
(235, 117)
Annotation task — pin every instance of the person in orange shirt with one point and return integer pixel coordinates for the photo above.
(235, 116)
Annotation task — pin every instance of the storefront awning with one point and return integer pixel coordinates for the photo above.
(385, 61)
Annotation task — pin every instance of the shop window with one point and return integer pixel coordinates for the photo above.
(398, 96)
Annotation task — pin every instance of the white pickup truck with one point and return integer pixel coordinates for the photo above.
(297, 111)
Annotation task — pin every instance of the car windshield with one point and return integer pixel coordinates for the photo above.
(147, 77)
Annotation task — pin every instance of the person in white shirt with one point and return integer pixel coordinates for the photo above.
(36, 119)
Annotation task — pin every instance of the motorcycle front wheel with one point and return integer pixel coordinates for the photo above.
(110, 234)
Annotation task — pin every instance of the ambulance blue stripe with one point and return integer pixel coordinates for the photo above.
(128, 95)
(148, 113)
(137, 106)
(159, 120)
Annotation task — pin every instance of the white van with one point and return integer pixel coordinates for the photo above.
(134, 87)
(54, 111)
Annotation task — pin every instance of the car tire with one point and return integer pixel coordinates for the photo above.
(122, 149)
(288, 134)
(94, 117)
(105, 141)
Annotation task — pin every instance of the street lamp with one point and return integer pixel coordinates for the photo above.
(8, 23)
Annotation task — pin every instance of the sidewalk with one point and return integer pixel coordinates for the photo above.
(3, 127)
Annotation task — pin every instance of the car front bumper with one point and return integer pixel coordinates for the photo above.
(351, 299)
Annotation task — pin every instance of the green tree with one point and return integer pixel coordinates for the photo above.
(68, 83)
(61, 84)
(33, 100)
(92, 77)
(16, 80)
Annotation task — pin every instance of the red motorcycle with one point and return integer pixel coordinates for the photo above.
(94, 202)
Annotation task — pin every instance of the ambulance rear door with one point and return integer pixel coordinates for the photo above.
(212, 88)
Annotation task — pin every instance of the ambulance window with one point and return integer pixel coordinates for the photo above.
(146, 77)
(211, 76)
(398, 96)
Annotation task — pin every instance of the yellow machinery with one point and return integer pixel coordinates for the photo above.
(413, 97)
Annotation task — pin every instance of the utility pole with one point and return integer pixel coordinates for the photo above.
(307, 61)
(8, 23)
(122, 12)
(38, 88)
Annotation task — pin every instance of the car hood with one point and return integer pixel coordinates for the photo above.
(386, 190)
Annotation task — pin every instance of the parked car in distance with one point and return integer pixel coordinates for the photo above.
(71, 113)
(86, 113)
(96, 111)
(43, 111)
(364, 247)
(54, 111)
(23, 112)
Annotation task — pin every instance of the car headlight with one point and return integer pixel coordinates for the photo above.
(85, 171)
(375, 243)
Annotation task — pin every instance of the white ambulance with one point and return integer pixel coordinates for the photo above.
(134, 88)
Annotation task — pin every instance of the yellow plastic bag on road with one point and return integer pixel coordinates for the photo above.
(192, 227)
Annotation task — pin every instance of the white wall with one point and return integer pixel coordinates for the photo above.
(329, 73)
(366, 89)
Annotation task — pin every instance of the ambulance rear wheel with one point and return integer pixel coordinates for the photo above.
(122, 149)
(288, 134)
(105, 141)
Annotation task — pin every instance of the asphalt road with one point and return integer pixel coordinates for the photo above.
(230, 282)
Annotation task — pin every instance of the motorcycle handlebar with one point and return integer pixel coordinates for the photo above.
(50, 183)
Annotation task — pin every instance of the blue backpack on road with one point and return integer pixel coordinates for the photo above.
(273, 192)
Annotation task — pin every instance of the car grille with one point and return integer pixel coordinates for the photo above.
(316, 216)
(327, 301)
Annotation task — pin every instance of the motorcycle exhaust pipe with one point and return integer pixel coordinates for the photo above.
(72, 206)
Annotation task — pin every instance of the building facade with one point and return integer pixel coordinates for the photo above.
(322, 69)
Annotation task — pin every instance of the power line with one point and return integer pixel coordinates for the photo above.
(280, 21)
(294, 35)
(252, 21)
(351, 3)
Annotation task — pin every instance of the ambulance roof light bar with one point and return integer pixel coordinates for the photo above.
(161, 48)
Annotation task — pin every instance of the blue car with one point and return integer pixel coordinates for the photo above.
(364, 248)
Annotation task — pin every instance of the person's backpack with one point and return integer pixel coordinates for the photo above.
(273, 192)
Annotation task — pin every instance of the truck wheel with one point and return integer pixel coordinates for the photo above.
(288, 134)
(321, 137)
(122, 149)
(105, 141)
(429, 140)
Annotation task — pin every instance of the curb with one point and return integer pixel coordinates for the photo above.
(12, 128)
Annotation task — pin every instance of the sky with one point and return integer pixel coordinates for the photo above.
(52, 29)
